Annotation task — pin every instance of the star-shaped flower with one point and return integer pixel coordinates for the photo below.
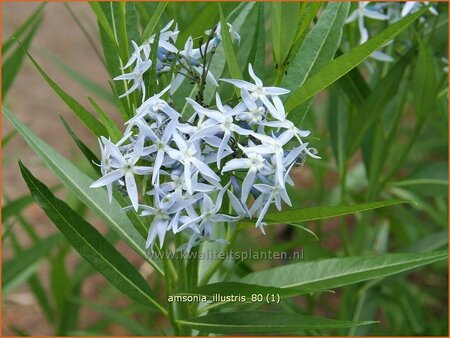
(124, 167)
(258, 91)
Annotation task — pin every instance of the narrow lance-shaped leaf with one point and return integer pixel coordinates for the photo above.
(8, 138)
(153, 22)
(22, 29)
(316, 213)
(77, 76)
(239, 15)
(424, 82)
(103, 22)
(343, 64)
(79, 184)
(110, 125)
(230, 55)
(370, 109)
(284, 20)
(91, 244)
(11, 66)
(336, 272)
(264, 322)
(257, 55)
(319, 46)
(110, 37)
(203, 19)
(308, 12)
(88, 154)
(234, 288)
(85, 116)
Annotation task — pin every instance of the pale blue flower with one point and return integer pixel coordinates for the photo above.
(413, 6)
(124, 167)
(224, 124)
(137, 76)
(258, 91)
(362, 12)
(187, 155)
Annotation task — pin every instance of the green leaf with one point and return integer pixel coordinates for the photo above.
(319, 46)
(110, 125)
(14, 207)
(218, 62)
(336, 272)
(75, 75)
(152, 77)
(308, 12)
(153, 22)
(88, 154)
(284, 20)
(8, 138)
(108, 16)
(59, 277)
(11, 66)
(231, 289)
(22, 29)
(354, 85)
(375, 103)
(424, 82)
(18, 269)
(230, 55)
(91, 244)
(117, 316)
(316, 213)
(86, 117)
(203, 19)
(337, 126)
(104, 22)
(264, 322)
(41, 296)
(79, 184)
(257, 54)
(93, 44)
(343, 64)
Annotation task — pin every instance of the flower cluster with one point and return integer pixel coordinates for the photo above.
(221, 164)
(187, 62)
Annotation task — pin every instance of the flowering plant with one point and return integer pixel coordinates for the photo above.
(219, 140)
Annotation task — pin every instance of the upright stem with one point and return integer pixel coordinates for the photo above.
(169, 292)
(183, 312)
(218, 262)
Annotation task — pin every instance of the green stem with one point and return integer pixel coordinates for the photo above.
(217, 263)
(169, 292)
(183, 312)
(358, 310)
